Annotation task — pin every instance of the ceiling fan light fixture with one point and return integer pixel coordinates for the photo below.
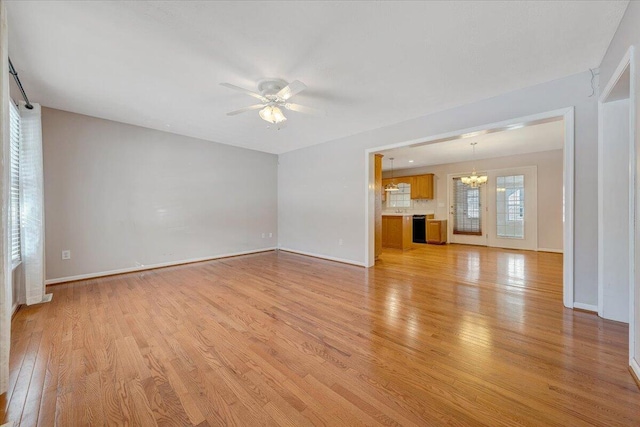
(272, 114)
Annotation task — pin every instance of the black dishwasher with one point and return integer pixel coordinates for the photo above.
(419, 229)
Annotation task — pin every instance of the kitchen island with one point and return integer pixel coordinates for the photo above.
(397, 231)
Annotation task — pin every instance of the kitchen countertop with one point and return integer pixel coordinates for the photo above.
(404, 213)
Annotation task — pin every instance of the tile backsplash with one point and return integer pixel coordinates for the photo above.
(417, 207)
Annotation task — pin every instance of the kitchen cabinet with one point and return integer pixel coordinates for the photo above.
(397, 180)
(437, 231)
(422, 186)
(397, 231)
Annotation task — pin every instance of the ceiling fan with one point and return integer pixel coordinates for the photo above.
(274, 95)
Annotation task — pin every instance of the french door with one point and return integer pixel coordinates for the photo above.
(512, 205)
(501, 213)
(467, 213)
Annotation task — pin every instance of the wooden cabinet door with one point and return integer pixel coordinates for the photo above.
(385, 231)
(392, 232)
(395, 232)
(422, 187)
(433, 231)
(437, 231)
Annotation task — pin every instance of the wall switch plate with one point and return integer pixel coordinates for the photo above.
(340, 242)
(270, 234)
(66, 254)
(263, 235)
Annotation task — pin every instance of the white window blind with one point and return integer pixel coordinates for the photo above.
(467, 212)
(15, 183)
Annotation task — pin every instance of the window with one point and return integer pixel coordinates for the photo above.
(15, 184)
(467, 210)
(510, 206)
(515, 206)
(400, 198)
(473, 202)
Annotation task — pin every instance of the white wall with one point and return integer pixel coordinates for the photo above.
(627, 35)
(121, 196)
(321, 189)
(550, 173)
(615, 211)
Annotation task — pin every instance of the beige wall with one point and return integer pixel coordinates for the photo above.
(120, 196)
(549, 164)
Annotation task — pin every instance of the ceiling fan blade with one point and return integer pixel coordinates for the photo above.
(248, 92)
(291, 89)
(245, 109)
(302, 109)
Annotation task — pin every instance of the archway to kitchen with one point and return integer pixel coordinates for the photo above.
(516, 156)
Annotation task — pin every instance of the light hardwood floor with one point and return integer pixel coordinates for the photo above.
(440, 335)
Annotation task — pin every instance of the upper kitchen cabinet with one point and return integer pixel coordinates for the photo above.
(422, 186)
(398, 180)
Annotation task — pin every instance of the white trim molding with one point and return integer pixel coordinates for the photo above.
(152, 266)
(327, 257)
(635, 367)
(555, 251)
(567, 115)
(587, 307)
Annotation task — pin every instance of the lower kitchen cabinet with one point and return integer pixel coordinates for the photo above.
(397, 231)
(437, 231)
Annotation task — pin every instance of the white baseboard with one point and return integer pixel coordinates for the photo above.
(555, 251)
(635, 367)
(327, 257)
(587, 307)
(151, 266)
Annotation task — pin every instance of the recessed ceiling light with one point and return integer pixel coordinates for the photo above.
(410, 161)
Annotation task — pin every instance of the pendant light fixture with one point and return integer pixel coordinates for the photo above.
(391, 186)
(474, 180)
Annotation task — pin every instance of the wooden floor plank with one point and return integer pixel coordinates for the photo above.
(437, 335)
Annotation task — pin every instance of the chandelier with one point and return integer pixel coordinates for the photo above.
(474, 180)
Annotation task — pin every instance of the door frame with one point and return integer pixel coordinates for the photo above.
(628, 61)
(483, 205)
(568, 116)
(531, 206)
(488, 205)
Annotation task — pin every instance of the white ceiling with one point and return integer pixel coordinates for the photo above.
(368, 64)
(529, 139)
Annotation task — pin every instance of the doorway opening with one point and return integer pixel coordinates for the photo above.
(618, 235)
(501, 213)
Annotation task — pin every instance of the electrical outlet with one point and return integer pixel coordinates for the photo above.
(340, 242)
(66, 254)
(263, 235)
(270, 234)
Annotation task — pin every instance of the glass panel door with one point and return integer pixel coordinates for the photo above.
(466, 209)
(510, 195)
(467, 213)
(512, 216)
